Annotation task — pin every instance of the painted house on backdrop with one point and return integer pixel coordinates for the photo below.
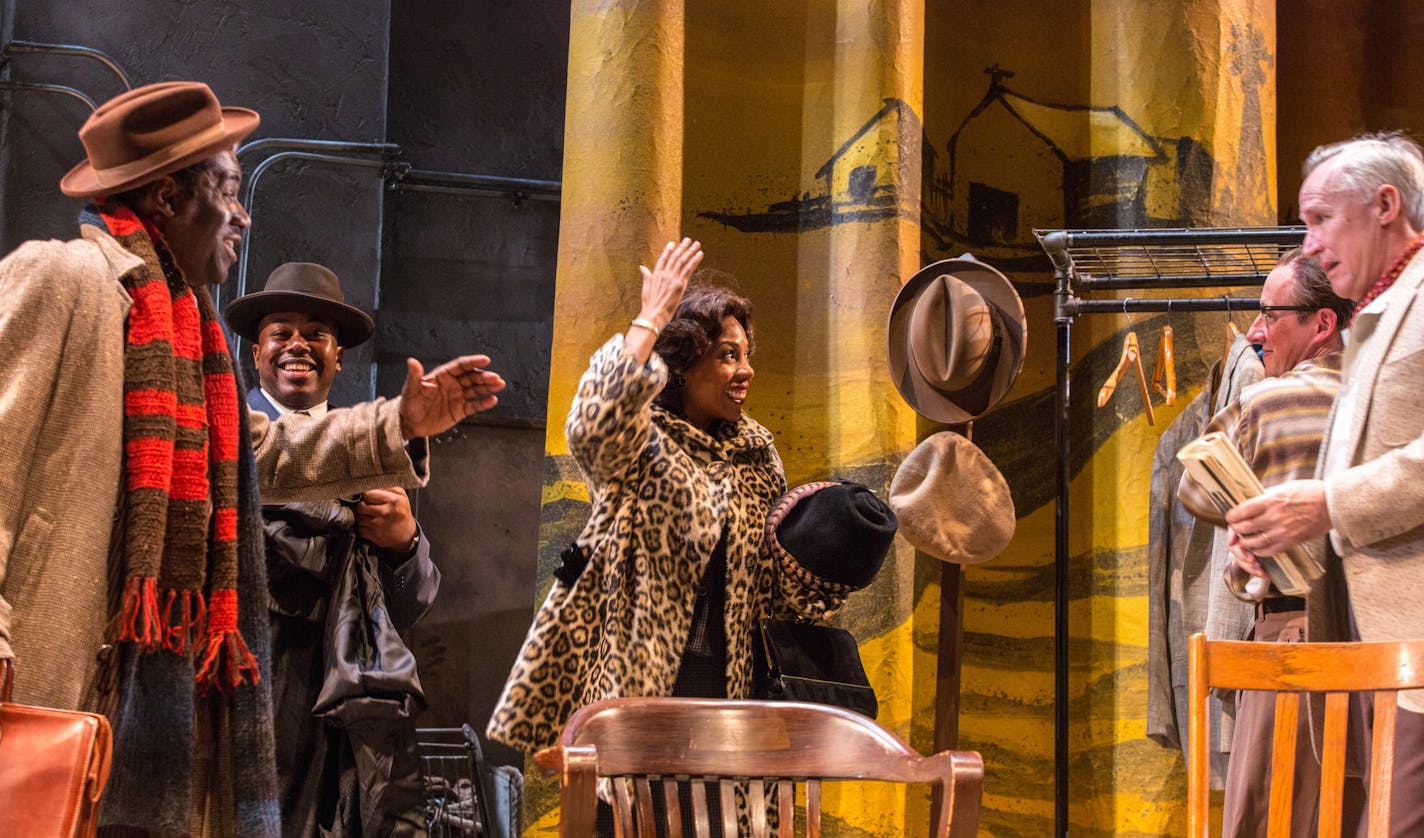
(1016, 163)
(860, 178)
(861, 181)
(1013, 164)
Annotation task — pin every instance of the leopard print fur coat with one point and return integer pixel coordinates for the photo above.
(661, 492)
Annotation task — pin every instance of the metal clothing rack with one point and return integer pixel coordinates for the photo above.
(1093, 261)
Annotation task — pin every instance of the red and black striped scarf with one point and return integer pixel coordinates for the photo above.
(180, 466)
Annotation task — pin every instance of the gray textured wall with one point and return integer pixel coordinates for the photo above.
(463, 87)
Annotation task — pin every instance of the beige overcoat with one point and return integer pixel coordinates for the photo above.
(62, 311)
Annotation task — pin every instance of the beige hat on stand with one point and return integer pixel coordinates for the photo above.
(956, 339)
(951, 501)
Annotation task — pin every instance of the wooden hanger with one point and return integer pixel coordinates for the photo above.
(1131, 358)
(1232, 333)
(1164, 372)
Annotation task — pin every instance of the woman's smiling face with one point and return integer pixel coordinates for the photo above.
(717, 384)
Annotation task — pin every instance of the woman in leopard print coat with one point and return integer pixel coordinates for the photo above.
(680, 482)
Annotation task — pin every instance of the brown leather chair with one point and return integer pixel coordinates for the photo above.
(1289, 670)
(758, 745)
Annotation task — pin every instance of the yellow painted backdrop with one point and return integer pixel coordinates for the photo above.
(822, 151)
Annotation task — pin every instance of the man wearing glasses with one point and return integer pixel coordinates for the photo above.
(1277, 424)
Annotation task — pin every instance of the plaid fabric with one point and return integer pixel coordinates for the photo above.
(180, 466)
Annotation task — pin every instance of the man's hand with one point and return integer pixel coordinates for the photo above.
(383, 518)
(1283, 516)
(1244, 558)
(434, 402)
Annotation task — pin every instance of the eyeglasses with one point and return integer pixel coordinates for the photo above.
(1268, 315)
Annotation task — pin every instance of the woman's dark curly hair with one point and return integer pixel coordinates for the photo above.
(695, 327)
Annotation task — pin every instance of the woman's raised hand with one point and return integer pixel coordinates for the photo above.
(663, 286)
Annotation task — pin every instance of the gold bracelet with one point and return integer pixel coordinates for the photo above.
(645, 323)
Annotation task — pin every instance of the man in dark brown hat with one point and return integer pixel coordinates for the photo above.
(124, 457)
(298, 325)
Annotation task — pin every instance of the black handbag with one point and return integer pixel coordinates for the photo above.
(810, 662)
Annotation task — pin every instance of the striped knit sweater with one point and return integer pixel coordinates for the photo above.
(1277, 425)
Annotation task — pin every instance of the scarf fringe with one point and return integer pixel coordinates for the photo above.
(183, 634)
(225, 660)
(138, 619)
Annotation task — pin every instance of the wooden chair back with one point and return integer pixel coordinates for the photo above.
(639, 743)
(1290, 670)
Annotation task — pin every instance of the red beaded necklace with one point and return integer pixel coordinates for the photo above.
(1383, 283)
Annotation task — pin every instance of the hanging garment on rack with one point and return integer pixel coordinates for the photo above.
(1173, 535)
(1179, 564)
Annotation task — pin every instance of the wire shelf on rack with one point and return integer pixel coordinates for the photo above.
(1199, 258)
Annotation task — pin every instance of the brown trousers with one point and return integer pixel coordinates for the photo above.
(1248, 773)
(1406, 811)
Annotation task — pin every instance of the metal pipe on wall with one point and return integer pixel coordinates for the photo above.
(71, 49)
(48, 88)
(249, 189)
(388, 150)
(423, 180)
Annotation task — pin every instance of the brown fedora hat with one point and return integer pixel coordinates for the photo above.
(306, 287)
(952, 502)
(152, 131)
(956, 339)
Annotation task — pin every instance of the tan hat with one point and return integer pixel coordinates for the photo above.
(951, 501)
(152, 131)
(306, 287)
(956, 339)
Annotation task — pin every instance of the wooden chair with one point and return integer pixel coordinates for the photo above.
(1290, 669)
(640, 742)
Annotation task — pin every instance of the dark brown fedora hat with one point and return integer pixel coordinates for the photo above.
(152, 131)
(306, 287)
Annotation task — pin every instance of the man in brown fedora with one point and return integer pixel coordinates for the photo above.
(299, 324)
(131, 570)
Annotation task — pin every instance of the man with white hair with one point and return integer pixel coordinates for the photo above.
(1363, 206)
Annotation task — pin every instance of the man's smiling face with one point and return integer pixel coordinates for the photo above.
(297, 356)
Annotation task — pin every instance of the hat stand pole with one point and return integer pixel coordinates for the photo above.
(951, 628)
(950, 650)
(1087, 261)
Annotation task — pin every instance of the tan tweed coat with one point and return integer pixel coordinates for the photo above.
(1377, 505)
(62, 313)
